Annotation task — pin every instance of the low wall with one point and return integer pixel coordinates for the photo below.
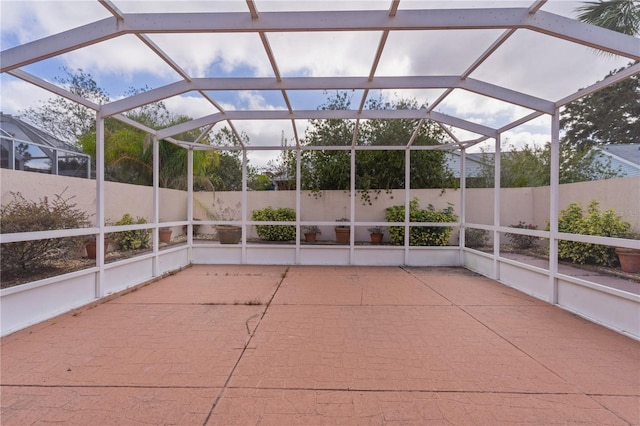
(530, 205)
(120, 198)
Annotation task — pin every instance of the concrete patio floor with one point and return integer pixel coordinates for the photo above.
(278, 345)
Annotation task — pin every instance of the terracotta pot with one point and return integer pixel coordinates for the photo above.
(629, 259)
(376, 238)
(343, 235)
(165, 235)
(229, 234)
(90, 246)
(310, 237)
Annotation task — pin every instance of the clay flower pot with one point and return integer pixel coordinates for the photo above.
(376, 238)
(229, 234)
(165, 235)
(90, 247)
(310, 237)
(343, 235)
(629, 259)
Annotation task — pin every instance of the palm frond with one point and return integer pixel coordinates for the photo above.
(622, 16)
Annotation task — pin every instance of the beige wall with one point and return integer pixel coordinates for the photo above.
(119, 198)
(327, 206)
(527, 204)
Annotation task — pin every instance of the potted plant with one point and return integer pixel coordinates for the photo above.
(310, 233)
(343, 232)
(165, 235)
(629, 257)
(376, 233)
(90, 246)
(227, 234)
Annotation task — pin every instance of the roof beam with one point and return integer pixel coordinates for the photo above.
(60, 43)
(37, 81)
(585, 34)
(507, 95)
(536, 6)
(353, 20)
(166, 58)
(112, 8)
(328, 83)
(404, 114)
(617, 77)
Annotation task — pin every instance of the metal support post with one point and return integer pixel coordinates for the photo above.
(156, 204)
(100, 207)
(553, 205)
(463, 207)
(496, 209)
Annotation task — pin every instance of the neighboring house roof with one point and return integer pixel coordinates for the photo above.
(18, 129)
(25, 147)
(624, 157)
(473, 163)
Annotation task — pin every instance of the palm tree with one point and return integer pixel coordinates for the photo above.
(622, 16)
(129, 157)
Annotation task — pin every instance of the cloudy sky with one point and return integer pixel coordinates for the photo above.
(527, 62)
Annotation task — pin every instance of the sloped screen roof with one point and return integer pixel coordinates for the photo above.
(512, 58)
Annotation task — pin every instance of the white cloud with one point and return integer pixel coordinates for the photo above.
(191, 106)
(198, 53)
(124, 57)
(18, 95)
(31, 20)
(324, 54)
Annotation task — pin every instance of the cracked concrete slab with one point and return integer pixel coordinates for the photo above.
(218, 344)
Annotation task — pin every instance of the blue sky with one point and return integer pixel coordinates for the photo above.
(528, 62)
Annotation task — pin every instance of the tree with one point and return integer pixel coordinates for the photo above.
(328, 169)
(375, 169)
(530, 167)
(385, 169)
(618, 15)
(128, 150)
(610, 115)
(227, 174)
(64, 119)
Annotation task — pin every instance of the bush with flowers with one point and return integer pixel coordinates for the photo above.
(522, 241)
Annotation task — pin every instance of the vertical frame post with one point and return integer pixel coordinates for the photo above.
(100, 207)
(407, 201)
(553, 205)
(463, 201)
(298, 203)
(12, 154)
(496, 209)
(56, 160)
(156, 204)
(244, 205)
(352, 206)
(190, 204)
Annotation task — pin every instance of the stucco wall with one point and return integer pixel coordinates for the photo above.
(527, 204)
(119, 198)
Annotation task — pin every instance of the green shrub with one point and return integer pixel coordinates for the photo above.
(522, 241)
(22, 215)
(275, 232)
(476, 238)
(575, 220)
(132, 240)
(421, 235)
